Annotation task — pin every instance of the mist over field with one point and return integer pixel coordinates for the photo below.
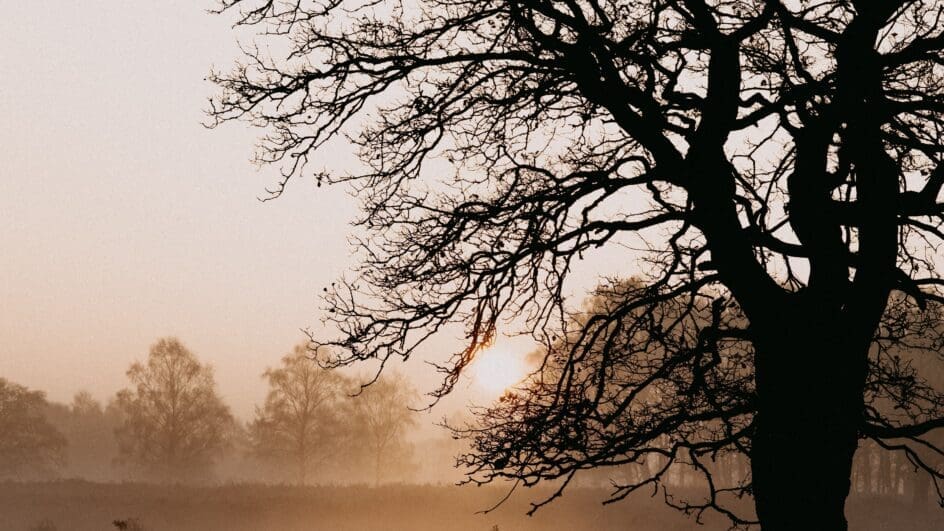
(82, 506)
(345, 463)
(472, 264)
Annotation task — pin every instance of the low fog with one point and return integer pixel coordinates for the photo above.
(166, 452)
(490, 265)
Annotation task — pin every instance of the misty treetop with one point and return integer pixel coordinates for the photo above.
(300, 423)
(383, 412)
(172, 426)
(30, 446)
(315, 422)
(174, 422)
(779, 159)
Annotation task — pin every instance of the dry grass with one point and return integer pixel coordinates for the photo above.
(83, 506)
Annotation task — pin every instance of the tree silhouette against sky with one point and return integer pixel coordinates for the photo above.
(780, 159)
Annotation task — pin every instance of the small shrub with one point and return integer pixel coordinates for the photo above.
(128, 524)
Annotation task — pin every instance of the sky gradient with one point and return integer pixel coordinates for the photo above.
(125, 220)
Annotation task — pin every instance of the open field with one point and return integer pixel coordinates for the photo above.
(84, 506)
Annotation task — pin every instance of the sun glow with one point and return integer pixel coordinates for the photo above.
(499, 367)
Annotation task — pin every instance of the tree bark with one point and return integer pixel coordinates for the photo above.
(810, 403)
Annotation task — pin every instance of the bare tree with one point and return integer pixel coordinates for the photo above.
(299, 424)
(653, 393)
(780, 154)
(378, 419)
(29, 445)
(174, 424)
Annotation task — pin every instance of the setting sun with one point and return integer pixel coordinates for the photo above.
(499, 367)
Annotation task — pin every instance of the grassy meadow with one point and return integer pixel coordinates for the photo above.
(85, 506)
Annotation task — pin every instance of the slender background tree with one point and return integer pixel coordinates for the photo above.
(780, 158)
(299, 426)
(379, 417)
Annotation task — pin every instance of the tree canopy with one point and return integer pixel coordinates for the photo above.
(29, 445)
(174, 424)
(379, 418)
(777, 156)
(300, 424)
(653, 392)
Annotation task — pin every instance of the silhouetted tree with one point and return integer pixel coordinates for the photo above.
(783, 155)
(299, 425)
(378, 420)
(29, 445)
(656, 410)
(174, 424)
(631, 397)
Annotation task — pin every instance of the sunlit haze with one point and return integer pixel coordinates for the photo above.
(499, 367)
(125, 220)
(249, 245)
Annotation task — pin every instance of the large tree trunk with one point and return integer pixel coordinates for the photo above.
(810, 402)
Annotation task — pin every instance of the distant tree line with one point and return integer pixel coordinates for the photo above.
(875, 473)
(171, 425)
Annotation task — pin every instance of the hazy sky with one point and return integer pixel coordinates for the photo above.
(125, 220)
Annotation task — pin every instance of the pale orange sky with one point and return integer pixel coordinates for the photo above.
(125, 220)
